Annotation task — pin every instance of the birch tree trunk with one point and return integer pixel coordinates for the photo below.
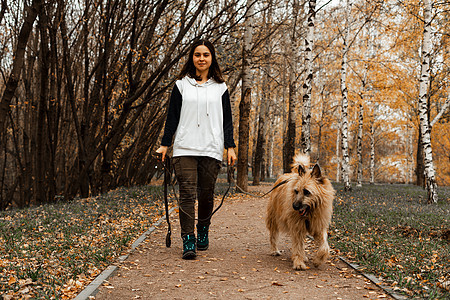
(338, 154)
(424, 82)
(307, 86)
(344, 116)
(410, 155)
(359, 145)
(372, 154)
(245, 104)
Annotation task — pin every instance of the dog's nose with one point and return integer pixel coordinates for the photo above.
(296, 205)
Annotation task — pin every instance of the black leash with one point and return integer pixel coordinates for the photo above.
(167, 179)
(167, 166)
(230, 179)
(265, 194)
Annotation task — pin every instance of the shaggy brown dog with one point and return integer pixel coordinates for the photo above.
(302, 205)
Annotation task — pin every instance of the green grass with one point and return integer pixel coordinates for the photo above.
(391, 232)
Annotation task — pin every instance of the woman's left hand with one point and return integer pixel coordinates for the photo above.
(231, 156)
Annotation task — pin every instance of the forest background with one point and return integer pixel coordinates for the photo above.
(84, 88)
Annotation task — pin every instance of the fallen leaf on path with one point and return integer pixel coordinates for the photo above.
(276, 283)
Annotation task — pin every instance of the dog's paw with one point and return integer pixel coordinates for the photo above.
(321, 256)
(299, 263)
(317, 263)
(276, 253)
(300, 266)
(319, 260)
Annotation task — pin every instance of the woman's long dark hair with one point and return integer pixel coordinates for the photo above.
(190, 70)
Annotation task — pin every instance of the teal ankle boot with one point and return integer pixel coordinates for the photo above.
(202, 237)
(189, 246)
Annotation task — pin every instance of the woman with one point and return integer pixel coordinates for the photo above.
(200, 118)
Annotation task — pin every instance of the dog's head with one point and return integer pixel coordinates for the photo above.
(310, 189)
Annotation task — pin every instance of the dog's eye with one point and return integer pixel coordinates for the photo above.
(296, 191)
(306, 192)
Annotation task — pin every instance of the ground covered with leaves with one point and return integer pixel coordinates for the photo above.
(392, 233)
(53, 251)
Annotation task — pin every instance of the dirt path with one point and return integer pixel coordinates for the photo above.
(238, 265)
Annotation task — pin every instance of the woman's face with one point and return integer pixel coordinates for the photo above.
(202, 58)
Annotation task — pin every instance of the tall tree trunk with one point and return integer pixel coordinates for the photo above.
(344, 116)
(260, 149)
(269, 170)
(289, 141)
(372, 153)
(246, 100)
(261, 139)
(359, 146)
(321, 122)
(41, 140)
(307, 86)
(338, 154)
(420, 167)
(410, 161)
(82, 179)
(54, 106)
(424, 82)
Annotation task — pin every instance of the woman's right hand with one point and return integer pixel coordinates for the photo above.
(163, 151)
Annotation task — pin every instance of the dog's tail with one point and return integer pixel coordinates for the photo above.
(300, 159)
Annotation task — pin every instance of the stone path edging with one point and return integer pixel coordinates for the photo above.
(91, 289)
(374, 279)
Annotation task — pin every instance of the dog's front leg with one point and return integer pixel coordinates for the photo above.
(298, 251)
(323, 251)
(273, 242)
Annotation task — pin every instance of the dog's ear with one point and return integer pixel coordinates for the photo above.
(301, 170)
(316, 172)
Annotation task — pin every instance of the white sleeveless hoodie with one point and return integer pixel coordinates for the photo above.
(200, 129)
